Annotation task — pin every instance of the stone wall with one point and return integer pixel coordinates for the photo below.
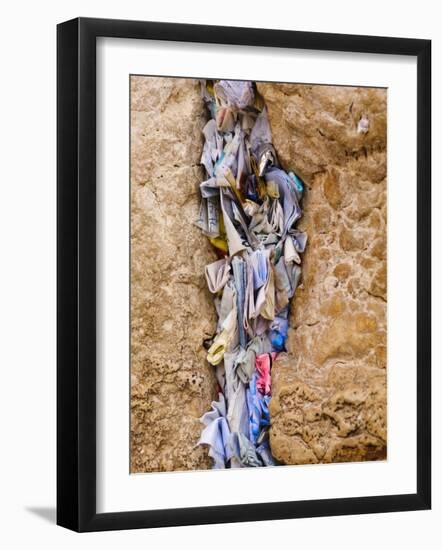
(329, 392)
(171, 309)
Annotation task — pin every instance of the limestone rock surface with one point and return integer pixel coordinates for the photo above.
(329, 392)
(172, 312)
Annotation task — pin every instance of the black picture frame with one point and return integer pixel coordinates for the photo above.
(76, 274)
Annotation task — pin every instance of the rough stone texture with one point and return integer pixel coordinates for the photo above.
(172, 385)
(329, 392)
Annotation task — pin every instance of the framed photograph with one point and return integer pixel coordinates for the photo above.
(243, 274)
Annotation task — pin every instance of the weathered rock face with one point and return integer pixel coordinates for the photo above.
(329, 393)
(171, 310)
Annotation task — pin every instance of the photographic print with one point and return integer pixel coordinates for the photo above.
(258, 274)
